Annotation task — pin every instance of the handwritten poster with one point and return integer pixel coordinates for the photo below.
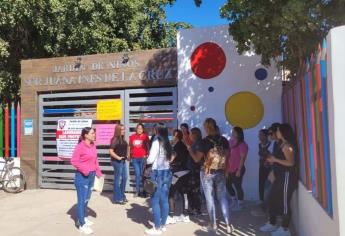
(104, 133)
(109, 109)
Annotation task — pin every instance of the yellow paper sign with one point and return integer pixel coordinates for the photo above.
(109, 109)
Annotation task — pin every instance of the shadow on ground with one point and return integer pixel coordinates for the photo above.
(72, 212)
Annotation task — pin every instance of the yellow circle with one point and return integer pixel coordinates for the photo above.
(244, 109)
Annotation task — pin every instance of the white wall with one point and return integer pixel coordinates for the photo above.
(308, 216)
(238, 75)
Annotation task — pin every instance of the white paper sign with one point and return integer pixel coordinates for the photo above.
(67, 135)
(28, 126)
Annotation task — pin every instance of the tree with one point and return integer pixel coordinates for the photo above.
(283, 30)
(51, 28)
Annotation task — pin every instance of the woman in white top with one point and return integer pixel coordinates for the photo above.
(159, 157)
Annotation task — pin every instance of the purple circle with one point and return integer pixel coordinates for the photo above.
(261, 74)
(192, 108)
(210, 89)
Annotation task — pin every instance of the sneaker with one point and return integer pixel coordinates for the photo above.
(184, 219)
(85, 229)
(178, 219)
(88, 222)
(136, 195)
(171, 220)
(229, 229)
(164, 229)
(153, 231)
(268, 227)
(281, 232)
(210, 228)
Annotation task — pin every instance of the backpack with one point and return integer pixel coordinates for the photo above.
(216, 156)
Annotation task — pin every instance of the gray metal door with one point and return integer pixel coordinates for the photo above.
(53, 171)
(147, 106)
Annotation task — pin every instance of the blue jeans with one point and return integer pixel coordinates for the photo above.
(84, 185)
(212, 183)
(138, 164)
(120, 179)
(159, 200)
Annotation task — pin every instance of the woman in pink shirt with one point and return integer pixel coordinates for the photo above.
(235, 166)
(84, 159)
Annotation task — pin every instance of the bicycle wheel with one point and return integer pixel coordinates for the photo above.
(15, 184)
(14, 180)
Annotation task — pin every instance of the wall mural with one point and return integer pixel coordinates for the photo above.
(305, 108)
(236, 90)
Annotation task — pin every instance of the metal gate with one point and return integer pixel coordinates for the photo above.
(148, 106)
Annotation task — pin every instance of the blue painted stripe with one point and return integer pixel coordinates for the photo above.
(310, 136)
(326, 153)
(13, 133)
(55, 111)
(299, 132)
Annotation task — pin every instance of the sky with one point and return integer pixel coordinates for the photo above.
(207, 14)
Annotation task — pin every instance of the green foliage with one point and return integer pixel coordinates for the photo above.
(50, 28)
(283, 30)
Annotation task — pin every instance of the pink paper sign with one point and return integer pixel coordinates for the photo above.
(104, 133)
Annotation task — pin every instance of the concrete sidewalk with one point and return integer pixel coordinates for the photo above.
(52, 212)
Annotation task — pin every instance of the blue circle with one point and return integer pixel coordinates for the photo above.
(192, 108)
(210, 89)
(261, 74)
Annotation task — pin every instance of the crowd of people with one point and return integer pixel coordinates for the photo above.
(192, 168)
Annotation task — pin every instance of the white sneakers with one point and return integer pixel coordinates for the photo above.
(153, 231)
(281, 232)
(210, 228)
(268, 227)
(175, 219)
(171, 220)
(88, 222)
(85, 229)
(184, 218)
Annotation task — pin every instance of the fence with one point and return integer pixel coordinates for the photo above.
(10, 130)
(305, 108)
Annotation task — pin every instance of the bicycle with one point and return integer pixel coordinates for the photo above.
(12, 179)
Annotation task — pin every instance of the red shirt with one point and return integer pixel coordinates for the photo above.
(139, 145)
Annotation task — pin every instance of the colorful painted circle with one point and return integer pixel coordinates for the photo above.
(210, 89)
(208, 60)
(244, 109)
(261, 74)
(192, 108)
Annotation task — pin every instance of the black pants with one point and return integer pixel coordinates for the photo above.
(237, 182)
(193, 191)
(178, 187)
(280, 197)
(263, 174)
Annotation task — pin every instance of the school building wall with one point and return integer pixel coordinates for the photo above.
(309, 217)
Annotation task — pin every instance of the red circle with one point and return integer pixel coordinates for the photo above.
(208, 60)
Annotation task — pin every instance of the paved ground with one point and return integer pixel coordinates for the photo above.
(52, 212)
